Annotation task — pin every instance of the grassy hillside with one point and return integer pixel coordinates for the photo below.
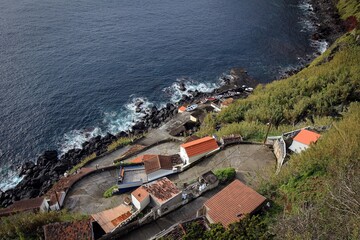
(317, 193)
(319, 190)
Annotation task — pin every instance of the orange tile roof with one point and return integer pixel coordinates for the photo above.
(141, 158)
(306, 137)
(202, 145)
(233, 202)
(111, 218)
(78, 230)
(140, 194)
(182, 109)
(157, 162)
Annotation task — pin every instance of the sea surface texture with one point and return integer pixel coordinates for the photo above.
(70, 70)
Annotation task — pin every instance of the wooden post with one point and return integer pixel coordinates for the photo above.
(57, 200)
(267, 132)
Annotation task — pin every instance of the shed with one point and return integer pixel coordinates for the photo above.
(303, 140)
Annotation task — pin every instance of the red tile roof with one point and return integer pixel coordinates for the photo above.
(162, 190)
(202, 145)
(157, 162)
(141, 158)
(140, 194)
(111, 218)
(78, 230)
(232, 203)
(306, 137)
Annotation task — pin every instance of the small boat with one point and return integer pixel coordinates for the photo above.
(191, 107)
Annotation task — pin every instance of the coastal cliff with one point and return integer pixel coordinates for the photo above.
(324, 89)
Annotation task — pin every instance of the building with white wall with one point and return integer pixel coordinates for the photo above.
(194, 150)
(140, 198)
(303, 140)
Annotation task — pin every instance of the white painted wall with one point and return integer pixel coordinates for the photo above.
(298, 147)
(192, 159)
(184, 155)
(44, 207)
(140, 205)
(158, 174)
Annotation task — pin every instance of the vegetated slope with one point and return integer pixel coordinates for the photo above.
(319, 189)
(317, 193)
(320, 90)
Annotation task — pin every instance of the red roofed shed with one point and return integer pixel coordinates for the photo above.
(303, 139)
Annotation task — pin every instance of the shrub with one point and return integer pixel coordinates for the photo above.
(108, 193)
(225, 174)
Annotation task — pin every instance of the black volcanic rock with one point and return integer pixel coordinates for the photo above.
(182, 87)
(47, 156)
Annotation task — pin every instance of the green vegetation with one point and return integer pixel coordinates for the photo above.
(319, 189)
(108, 193)
(349, 8)
(29, 225)
(312, 95)
(249, 228)
(225, 175)
(317, 193)
(82, 163)
(122, 142)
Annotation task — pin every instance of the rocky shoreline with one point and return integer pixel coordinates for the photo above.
(39, 178)
(328, 27)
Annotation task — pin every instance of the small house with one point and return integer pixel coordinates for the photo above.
(303, 139)
(165, 196)
(194, 150)
(161, 194)
(232, 204)
(140, 198)
(182, 109)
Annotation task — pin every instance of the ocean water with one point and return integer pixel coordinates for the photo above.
(70, 70)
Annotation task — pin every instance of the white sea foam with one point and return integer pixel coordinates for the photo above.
(12, 179)
(310, 25)
(190, 85)
(113, 122)
(122, 120)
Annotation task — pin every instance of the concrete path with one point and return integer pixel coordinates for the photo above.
(86, 196)
(252, 163)
(108, 159)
